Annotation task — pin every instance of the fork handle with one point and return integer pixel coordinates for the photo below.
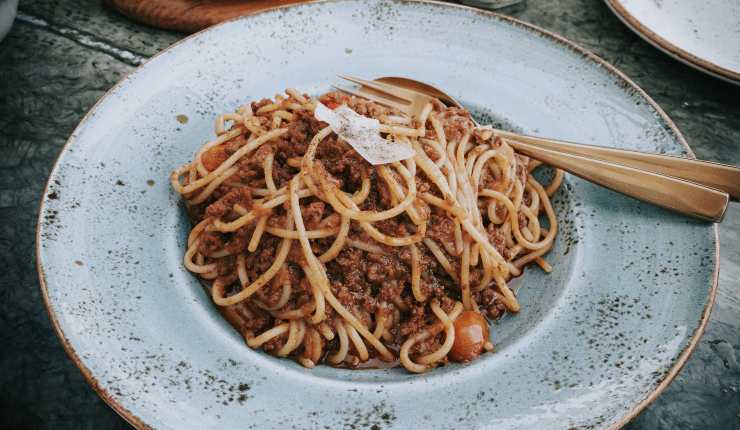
(715, 175)
(676, 194)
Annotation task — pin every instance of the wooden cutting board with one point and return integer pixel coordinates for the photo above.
(190, 15)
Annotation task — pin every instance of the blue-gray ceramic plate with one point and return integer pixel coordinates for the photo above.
(596, 340)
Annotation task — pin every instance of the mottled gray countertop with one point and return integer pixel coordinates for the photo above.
(61, 56)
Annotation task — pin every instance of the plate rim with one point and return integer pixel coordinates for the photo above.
(138, 423)
(669, 48)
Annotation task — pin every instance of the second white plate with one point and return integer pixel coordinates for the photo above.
(703, 34)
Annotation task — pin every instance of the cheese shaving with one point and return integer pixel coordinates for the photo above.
(363, 134)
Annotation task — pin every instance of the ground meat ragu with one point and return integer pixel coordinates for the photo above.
(369, 278)
(240, 196)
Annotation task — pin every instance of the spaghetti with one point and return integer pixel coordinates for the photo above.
(313, 253)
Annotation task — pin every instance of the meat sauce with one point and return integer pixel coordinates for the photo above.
(368, 283)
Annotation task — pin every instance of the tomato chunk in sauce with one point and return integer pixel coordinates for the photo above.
(471, 335)
(214, 157)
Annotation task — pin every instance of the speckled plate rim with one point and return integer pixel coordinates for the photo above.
(627, 82)
(669, 48)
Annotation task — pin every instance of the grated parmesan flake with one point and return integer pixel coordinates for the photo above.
(363, 134)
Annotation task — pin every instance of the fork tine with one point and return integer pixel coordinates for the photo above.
(378, 99)
(391, 90)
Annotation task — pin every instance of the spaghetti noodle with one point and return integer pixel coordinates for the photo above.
(313, 253)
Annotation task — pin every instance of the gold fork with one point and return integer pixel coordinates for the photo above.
(628, 177)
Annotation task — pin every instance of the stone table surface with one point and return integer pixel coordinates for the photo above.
(61, 56)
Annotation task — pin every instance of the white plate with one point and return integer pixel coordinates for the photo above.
(705, 34)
